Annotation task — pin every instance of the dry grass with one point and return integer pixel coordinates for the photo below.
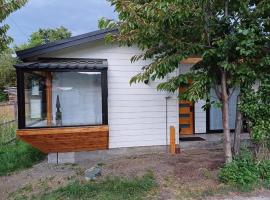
(7, 111)
(8, 125)
(7, 132)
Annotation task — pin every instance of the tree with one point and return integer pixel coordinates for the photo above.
(255, 107)
(232, 38)
(43, 36)
(6, 8)
(7, 72)
(7, 60)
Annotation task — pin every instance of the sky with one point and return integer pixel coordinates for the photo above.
(78, 16)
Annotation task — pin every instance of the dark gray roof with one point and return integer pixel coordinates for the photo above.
(64, 63)
(60, 44)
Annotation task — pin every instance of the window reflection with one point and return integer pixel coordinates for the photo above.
(62, 98)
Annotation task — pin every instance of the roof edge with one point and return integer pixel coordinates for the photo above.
(64, 63)
(64, 43)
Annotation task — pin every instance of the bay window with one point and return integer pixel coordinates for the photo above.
(57, 98)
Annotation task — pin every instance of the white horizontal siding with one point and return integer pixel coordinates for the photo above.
(136, 109)
(141, 120)
(137, 112)
(136, 115)
(137, 143)
(139, 126)
(139, 103)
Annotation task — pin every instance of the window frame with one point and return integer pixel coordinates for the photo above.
(21, 95)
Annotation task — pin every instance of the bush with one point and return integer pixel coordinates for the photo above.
(241, 171)
(18, 156)
(264, 171)
(244, 171)
(255, 108)
(3, 96)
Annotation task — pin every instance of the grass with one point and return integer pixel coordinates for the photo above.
(111, 188)
(18, 156)
(7, 132)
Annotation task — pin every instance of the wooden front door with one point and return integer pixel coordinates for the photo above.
(186, 116)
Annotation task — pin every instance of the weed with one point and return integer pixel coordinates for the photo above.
(206, 173)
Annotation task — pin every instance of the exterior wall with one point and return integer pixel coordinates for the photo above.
(199, 113)
(137, 113)
(200, 117)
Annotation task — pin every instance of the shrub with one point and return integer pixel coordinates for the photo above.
(264, 171)
(245, 171)
(255, 108)
(241, 171)
(18, 156)
(3, 96)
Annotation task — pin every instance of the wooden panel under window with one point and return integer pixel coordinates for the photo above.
(67, 139)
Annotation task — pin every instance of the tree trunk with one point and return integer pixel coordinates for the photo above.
(238, 129)
(225, 118)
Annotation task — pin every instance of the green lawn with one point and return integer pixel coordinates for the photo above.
(112, 188)
(18, 156)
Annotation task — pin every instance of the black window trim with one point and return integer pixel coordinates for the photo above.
(21, 95)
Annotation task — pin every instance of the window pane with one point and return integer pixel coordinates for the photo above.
(62, 98)
(35, 100)
(216, 114)
(76, 98)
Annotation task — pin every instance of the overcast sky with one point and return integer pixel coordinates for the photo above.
(79, 16)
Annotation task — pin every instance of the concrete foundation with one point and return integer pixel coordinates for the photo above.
(212, 141)
(60, 158)
(102, 155)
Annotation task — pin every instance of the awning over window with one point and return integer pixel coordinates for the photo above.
(64, 63)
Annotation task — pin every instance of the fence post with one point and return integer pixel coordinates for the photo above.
(15, 111)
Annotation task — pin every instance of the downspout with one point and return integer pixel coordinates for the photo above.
(166, 114)
(168, 96)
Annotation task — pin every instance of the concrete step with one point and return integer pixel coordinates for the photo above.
(217, 144)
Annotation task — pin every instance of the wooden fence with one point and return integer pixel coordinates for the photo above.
(8, 122)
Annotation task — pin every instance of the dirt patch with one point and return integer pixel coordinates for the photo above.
(39, 178)
(189, 175)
